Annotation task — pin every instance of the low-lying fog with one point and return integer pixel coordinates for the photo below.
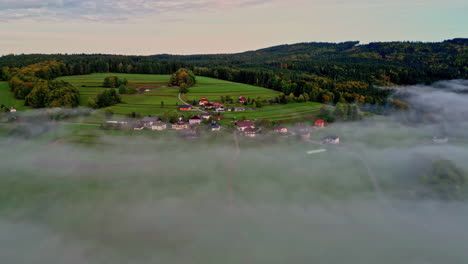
(148, 200)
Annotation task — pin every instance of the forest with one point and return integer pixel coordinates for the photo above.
(346, 72)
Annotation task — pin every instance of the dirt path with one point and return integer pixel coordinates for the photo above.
(193, 107)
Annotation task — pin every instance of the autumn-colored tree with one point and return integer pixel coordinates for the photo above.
(183, 76)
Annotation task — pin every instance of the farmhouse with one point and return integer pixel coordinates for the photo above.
(12, 110)
(195, 120)
(220, 109)
(243, 125)
(281, 129)
(159, 126)
(205, 116)
(249, 132)
(331, 140)
(319, 123)
(185, 107)
(203, 101)
(149, 121)
(214, 127)
(217, 104)
(138, 125)
(303, 131)
(181, 125)
(115, 124)
(208, 106)
(238, 109)
(242, 100)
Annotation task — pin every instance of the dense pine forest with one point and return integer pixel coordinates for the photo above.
(322, 72)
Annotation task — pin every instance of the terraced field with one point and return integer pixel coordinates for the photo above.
(153, 90)
(280, 112)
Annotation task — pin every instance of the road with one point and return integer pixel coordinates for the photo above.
(193, 107)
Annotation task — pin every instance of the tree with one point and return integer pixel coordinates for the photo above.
(183, 76)
(355, 112)
(114, 82)
(341, 111)
(162, 103)
(106, 98)
(445, 179)
(183, 89)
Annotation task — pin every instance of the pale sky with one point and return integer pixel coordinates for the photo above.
(144, 27)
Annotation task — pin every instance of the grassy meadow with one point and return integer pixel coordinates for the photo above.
(7, 98)
(156, 91)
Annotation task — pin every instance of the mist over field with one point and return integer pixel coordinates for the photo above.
(138, 199)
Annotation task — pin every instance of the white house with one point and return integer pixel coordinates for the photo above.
(195, 120)
(159, 126)
(331, 140)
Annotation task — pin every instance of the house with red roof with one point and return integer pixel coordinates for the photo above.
(195, 120)
(250, 132)
(243, 125)
(281, 129)
(242, 99)
(208, 106)
(319, 123)
(203, 101)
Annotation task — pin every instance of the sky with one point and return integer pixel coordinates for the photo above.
(144, 27)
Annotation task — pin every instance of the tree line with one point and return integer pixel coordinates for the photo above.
(35, 84)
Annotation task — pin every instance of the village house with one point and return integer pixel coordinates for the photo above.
(281, 129)
(303, 131)
(208, 106)
(219, 118)
(203, 101)
(220, 109)
(149, 121)
(242, 99)
(331, 140)
(138, 125)
(238, 109)
(185, 107)
(319, 124)
(205, 116)
(195, 120)
(249, 132)
(12, 110)
(159, 126)
(217, 104)
(214, 127)
(115, 124)
(181, 125)
(243, 125)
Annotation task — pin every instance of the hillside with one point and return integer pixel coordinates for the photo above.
(323, 72)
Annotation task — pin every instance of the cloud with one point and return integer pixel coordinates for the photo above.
(105, 10)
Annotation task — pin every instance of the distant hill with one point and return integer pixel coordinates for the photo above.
(326, 72)
(399, 62)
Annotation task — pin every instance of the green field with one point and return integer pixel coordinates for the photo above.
(149, 103)
(7, 98)
(280, 112)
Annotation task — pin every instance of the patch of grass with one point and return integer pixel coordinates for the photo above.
(7, 98)
(279, 112)
(149, 102)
